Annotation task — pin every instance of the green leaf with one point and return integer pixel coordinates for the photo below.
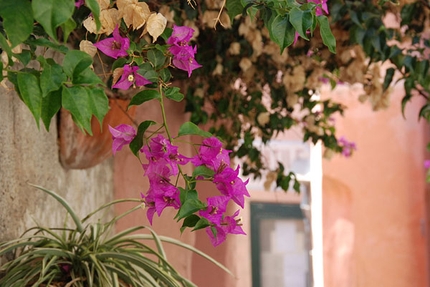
(52, 76)
(137, 143)
(75, 99)
(98, 102)
(75, 62)
(174, 94)
(29, 88)
(425, 112)
(234, 8)
(51, 104)
(93, 5)
(157, 58)
(5, 47)
(17, 20)
(202, 223)
(119, 63)
(24, 57)
(165, 75)
(65, 204)
(148, 72)
(190, 206)
(388, 78)
(52, 13)
(190, 221)
(189, 128)
(281, 31)
(87, 76)
(326, 34)
(203, 171)
(67, 28)
(302, 21)
(46, 43)
(144, 96)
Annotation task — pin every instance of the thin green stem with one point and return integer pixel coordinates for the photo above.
(163, 112)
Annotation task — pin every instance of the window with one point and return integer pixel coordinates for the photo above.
(280, 242)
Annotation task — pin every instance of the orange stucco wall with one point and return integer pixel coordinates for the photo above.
(374, 215)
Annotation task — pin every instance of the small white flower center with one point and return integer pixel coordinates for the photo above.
(130, 78)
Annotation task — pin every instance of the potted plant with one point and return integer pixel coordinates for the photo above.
(90, 254)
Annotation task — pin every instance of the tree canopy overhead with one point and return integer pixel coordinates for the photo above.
(262, 62)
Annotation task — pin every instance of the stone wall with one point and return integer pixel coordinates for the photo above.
(31, 155)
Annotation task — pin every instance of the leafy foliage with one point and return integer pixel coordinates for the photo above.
(262, 66)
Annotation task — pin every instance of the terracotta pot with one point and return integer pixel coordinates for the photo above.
(79, 150)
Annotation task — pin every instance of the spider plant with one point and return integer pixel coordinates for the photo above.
(90, 255)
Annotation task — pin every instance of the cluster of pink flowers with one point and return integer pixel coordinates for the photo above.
(163, 161)
(212, 155)
(183, 53)
(347, 147)
(117, 46)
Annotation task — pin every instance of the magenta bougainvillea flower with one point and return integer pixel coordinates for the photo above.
(79, 3)
(214, 212)
(121, 135)
(319, 9)
(183, 53)
(230, 184)
(212, 155)
(181, 35)
(347, 147)
(229, 225)
(184, 60)
(168, 196)
(427, 164)
(130, 77)
(115, 46)
(160, 148)
(163, 160)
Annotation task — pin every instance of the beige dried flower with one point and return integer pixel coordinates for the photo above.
(88, 47)
(135, 15)
(156, 25)
(292, 99)
(209, 18)
(295, 81)
(218, 70)
(328, 154)
(313, 82)
(263, 118)
(270, 178)
(168, 13)
(90, 25)
(214, 4)
(199, 92)
(121, 4)
(104, 4)
(234, 48)
(109, 19)
(245, 64)
(117, 73)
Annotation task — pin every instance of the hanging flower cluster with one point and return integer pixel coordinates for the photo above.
(163, 168)
(183, 53)
(347, 147)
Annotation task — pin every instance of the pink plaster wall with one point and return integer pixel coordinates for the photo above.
(374, 204)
